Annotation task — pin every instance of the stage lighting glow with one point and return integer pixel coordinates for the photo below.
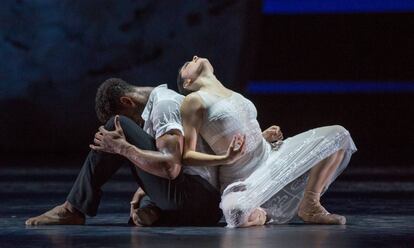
(318, 87)
(336, 6)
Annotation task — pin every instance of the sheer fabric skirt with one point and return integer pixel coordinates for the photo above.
(278, 183)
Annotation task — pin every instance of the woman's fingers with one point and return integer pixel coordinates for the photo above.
(243, 140)
(243, 146)
(240, 143)
(274, 127)
(232, 143)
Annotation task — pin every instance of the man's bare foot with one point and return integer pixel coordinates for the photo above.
(311, 211)
(63, 214)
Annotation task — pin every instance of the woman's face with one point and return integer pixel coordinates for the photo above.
(194, 68)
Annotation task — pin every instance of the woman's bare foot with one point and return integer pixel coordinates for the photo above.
(256, 218)
(311, 211)
(63, 214)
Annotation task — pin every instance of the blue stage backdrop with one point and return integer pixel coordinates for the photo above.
(56, 53)
(316, 63)
(304, 64)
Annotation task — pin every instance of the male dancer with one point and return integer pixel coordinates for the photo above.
(154, 151)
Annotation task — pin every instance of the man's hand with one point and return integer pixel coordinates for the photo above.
(272, 134)
(135, 201)
(236, 149)
(110, 141)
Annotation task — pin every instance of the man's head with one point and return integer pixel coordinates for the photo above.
(115, 96)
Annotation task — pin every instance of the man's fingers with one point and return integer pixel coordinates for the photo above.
(97, 141)
(95, 148)
(103, 130)
(117, 123)
(99, 136)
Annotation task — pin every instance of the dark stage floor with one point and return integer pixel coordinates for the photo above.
(379, 206)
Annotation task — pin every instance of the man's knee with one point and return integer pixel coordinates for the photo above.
(123, 120)
(134, 134)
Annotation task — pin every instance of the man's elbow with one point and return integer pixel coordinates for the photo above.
(172, 145)
(173, 171)
(185, 157)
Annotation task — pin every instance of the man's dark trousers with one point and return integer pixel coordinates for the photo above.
(186, 200)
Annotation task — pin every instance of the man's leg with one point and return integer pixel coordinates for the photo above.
(185, 200)
(168, 195)
(97, 169)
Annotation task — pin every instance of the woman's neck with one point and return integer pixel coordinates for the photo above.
(214, 86)
(210, 83)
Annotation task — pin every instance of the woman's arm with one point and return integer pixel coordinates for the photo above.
(192, 110)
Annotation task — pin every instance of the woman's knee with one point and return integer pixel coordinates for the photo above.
(235, 217)
(233, 211)
(338, 129)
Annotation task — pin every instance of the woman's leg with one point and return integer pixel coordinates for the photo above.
(310, 209)
(322, 172)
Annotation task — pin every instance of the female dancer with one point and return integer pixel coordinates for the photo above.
(259, 184)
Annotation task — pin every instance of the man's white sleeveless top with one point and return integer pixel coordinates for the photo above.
(162, 114)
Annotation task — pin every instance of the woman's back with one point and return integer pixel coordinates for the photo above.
(228, 116)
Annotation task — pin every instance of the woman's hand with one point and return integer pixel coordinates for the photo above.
(272, 134)
(236, 149)
(110, 141)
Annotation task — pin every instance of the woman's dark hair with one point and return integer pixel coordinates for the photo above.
(180, 83)
(107, 100)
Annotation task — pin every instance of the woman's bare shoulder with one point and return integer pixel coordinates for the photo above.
(192, 106)
(192, 102)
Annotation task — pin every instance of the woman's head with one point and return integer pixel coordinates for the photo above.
(190, 73)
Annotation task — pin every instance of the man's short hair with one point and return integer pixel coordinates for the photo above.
(107, 100)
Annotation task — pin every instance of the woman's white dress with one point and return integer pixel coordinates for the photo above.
(264, 177)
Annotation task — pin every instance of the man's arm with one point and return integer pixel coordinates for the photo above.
(168, 156)
(164, 163)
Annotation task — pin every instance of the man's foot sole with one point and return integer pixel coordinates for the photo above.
(59, 215)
